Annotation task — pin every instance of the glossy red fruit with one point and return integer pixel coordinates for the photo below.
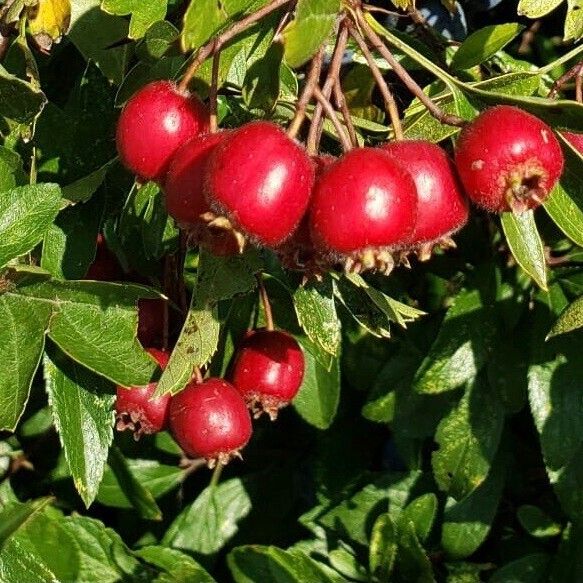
(575, 139)
(135, 408)
(105, 266)
(442, 208)
(508, 159)
(154, 123)
(150, 321)
(268, 370)
(365, 202)
(210, 420)
(261, 181)
(183, 184)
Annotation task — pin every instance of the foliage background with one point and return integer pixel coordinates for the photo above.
(439, 431)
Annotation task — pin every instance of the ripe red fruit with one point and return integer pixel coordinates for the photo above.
(150, 321)
(363, 205)
(442, 209)
(268, 370)
(135, 408)
(210, 420)
(508, 159)
(183, 185)
(261, 181)
(576, 140)
(105, 266)
(154, 123)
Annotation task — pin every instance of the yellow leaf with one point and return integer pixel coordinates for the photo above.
(49, 19)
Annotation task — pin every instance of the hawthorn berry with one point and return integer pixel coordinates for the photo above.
(150, 321)
(210, 420)
(135, 408)
(363, 206)
(268, 370)
(105, 266)
(508, 159)
(154, 123)
(442, 209)
(575, 139)
(260, 180)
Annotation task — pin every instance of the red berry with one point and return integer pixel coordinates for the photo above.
(441, 207)
(137, 411)
(576, 140)
(150, 321)
(210, 420)
(508, 159)
(183, 185)
(105, 266)
(261, 181)
(268, 370)
(154, 123)
(363, 204)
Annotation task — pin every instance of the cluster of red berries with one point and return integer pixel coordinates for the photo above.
(357, 210)
(210, 418)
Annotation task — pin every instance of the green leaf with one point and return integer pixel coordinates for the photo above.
(252, 563)
(11, 171)
(570, 319)
(261, 86)
(157, 478)
(413, 563)
(462, 347)
(143, 14)
(531, 568)
(536, 522)
(573, 21)
(316, 312)
(178, 567)
(484, 43)
(82, 406)
(421, 512)
(466, 523)
(536, 8)
(311, 26)
(526, 245)
(211, 520)
(19, 101)
(158, 39)
(95, 324)
(383, 548)
(25, 214)
(468, 439)
(318, 397)
(82, 190)
(17, 515)
(139, 496)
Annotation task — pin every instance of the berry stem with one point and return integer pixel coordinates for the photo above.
(216, 477)
(165, 313)
(333, 74)
(343, 107)
(217, 43)
(213, 122)
(407, 80)
(311, 82)
(331, 114)
(269, 325)
(390, 104)
(576, 72)
(198, 375)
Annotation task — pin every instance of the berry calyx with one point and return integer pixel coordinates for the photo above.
(260, 180)
(268, 370)
(210, 420)
(442, 209)
(363, 207)
(184, 181)
(135, 408)
(508, 160)
(154, 123)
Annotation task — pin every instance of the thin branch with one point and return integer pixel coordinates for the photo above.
(343, 107)
(333, 73)
(217, 43)
(311, 82)
(269, 324)
(390, 103)
(214, 124)
(579, 86)
(331, 114)
(407, 80)
(573, 72)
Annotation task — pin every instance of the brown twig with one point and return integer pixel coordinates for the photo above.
(343, 107)
(197, 374)
(333, 73)
(407, 80)
(311, 82)
(575, 72)
(528, 38)
(217, 43)
(269, 324)
(331, 114)
(579, 86)
(213, 93)
(390, 104)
